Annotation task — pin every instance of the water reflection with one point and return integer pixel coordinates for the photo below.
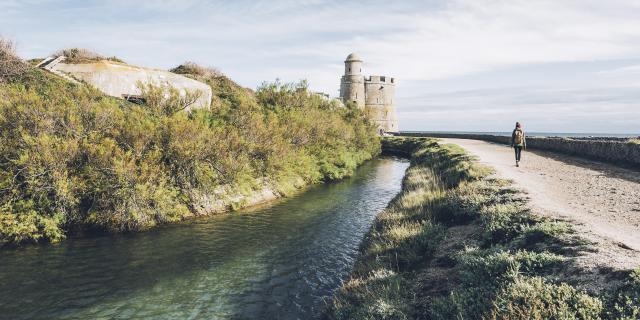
(278, 261)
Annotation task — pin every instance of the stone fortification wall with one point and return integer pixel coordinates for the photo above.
(120, 80)
(379, 90)
(379, 93)
(614, 151)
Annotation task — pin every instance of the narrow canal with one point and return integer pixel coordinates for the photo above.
(275, 262)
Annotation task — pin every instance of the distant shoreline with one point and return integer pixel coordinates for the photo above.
(539, 134)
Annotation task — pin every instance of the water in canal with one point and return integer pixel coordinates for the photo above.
(275, 262)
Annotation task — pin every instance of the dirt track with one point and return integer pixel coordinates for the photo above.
(600, 200)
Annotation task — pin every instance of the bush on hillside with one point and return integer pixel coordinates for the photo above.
(80, 55)
(11, 66)
(71, 157)
(192, 68)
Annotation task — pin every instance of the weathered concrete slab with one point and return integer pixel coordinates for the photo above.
(120, 80)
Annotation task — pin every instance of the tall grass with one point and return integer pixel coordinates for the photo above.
(457, 243)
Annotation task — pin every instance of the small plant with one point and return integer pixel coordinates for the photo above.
(534, 298)
(192, 68)
(624, 301)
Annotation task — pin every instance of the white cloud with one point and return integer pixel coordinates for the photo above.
(431, 43)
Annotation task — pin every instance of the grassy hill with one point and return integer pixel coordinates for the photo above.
(72, 158)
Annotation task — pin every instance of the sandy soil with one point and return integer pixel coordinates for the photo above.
(601, 201)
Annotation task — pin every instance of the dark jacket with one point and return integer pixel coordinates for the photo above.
(513, 139)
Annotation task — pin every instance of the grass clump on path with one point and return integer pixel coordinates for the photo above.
(457, 243)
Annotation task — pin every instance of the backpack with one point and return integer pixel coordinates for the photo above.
(519, 137)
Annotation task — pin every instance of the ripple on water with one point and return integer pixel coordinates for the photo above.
(277, 261)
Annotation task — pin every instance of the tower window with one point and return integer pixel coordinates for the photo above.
(349, 69)
(382, 79)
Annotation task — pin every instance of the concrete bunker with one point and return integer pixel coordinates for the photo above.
(121, 80)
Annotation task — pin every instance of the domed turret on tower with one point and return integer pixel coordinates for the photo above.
(353, 57)
(353, 65)
(352, 83)
(374, 94)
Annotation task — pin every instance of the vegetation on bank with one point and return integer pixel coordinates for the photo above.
(72, 158)
(457, 243)
(80, 55)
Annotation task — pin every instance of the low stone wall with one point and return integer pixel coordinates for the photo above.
(610, 151)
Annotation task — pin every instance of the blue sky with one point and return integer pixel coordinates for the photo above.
(472, 65)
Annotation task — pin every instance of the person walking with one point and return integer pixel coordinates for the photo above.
(518, 142)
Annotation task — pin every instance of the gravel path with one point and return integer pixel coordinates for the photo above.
(601, 201)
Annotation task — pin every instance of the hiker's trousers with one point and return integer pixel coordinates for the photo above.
(518, 150)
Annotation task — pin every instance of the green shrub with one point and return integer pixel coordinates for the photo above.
(624, 302)
(533, 298)
(461, 205)
(483, 275)
(505, 221)
(480, 268)
(543, 231)
(378, 295)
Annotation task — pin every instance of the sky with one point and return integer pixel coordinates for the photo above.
(460, 65)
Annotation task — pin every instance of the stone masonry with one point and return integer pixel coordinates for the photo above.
(374, 94)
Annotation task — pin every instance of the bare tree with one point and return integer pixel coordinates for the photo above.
(11, 66)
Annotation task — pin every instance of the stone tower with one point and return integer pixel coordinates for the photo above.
(374, 94)
(352, 83)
